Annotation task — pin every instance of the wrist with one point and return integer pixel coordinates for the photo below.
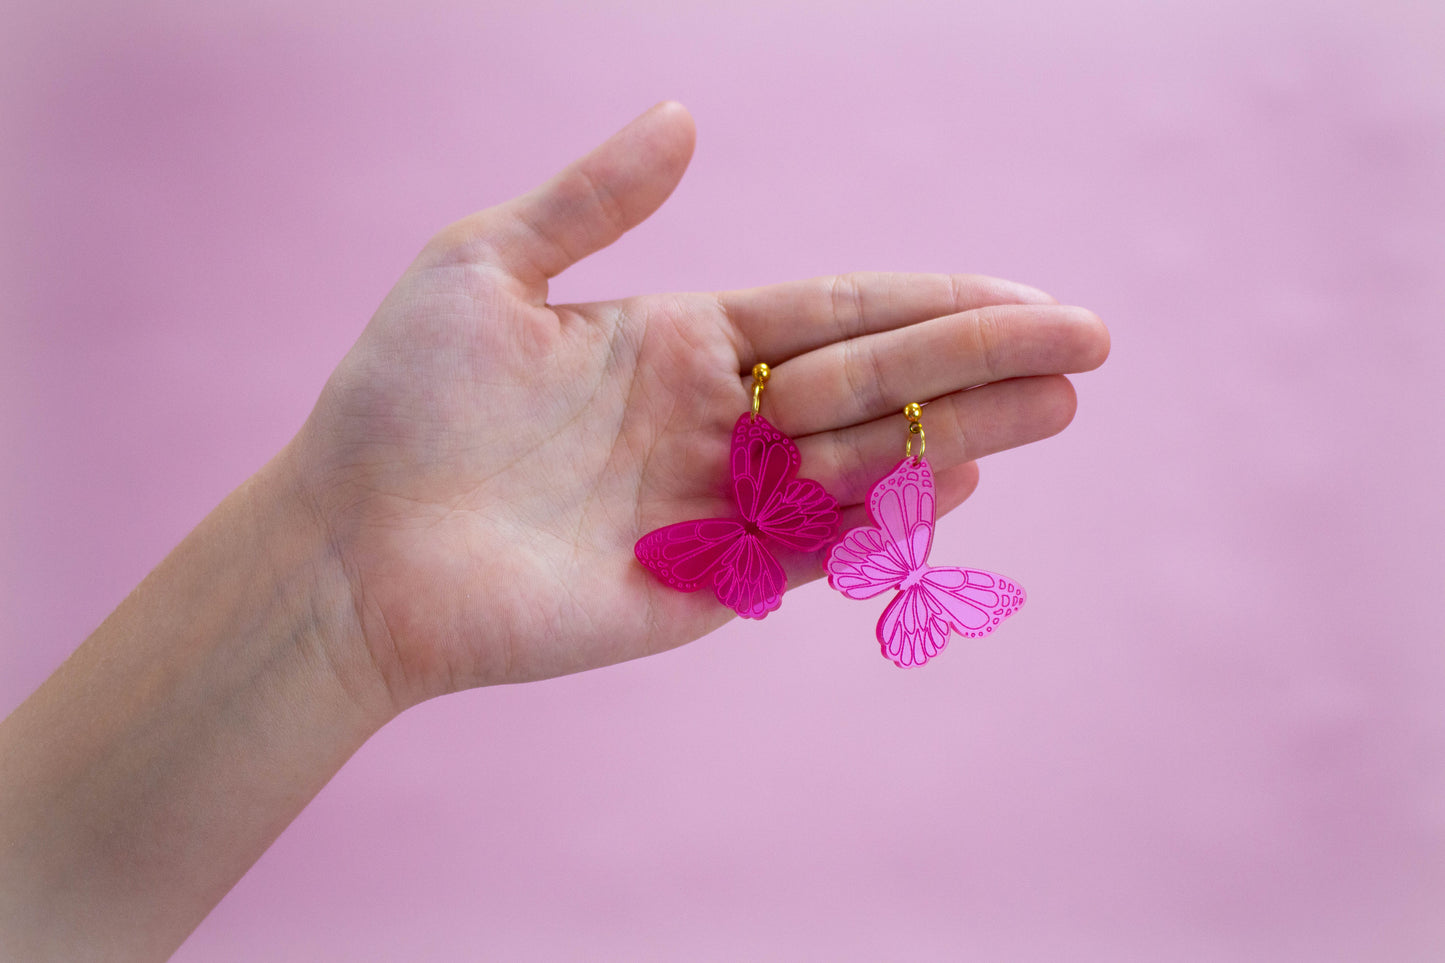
(322, 602)
(218, 699)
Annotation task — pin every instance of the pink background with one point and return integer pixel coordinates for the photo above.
(1217, 731)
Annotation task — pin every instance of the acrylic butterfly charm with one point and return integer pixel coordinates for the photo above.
(732, 556)
(932, 602)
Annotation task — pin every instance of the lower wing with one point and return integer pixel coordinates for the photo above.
(749, 580)
(913, 628)
(718, 553)
(917, 623)
(976, 601)
(687, 555)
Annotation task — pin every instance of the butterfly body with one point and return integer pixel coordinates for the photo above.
(932, 601)
(732, 556)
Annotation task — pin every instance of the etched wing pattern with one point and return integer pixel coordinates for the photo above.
(932, 603)
(731, 556)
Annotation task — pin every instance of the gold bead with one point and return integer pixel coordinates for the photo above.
(913, 412)
(761, 372)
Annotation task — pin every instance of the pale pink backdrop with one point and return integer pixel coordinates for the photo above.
(1216, 732)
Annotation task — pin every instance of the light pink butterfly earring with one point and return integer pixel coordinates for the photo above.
(731, 556)
(932, 601)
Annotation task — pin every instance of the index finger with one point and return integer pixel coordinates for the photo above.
(781, 321)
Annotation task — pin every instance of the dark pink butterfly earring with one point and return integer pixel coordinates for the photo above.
(731, 556)
(892, 553)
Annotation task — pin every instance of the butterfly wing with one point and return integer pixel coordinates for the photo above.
(974, 601)
(872, 558)
(729, 555)
(689, 555)
(796, 512)
(864, 563)
(749, 579)
(916, 625)
(802, 516)
(913, 628)
(902, 504)
(893, 553)
(719, 554)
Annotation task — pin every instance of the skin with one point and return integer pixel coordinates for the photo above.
(459, 510)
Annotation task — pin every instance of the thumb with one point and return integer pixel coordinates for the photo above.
(590, 204)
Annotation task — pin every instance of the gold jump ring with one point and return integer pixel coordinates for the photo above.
(761, 374)
(914, 413)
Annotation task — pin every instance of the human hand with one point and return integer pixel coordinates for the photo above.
(461, 509)
(483, 462)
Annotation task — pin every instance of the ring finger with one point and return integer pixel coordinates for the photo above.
(959, 428)
(854, 381)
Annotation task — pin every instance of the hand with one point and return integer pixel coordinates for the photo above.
(483, 461)
(461, 509)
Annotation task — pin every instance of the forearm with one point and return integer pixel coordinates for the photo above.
(144, 778)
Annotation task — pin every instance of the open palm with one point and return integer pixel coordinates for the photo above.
(485, 461)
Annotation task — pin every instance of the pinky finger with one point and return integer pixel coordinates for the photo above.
(962, 427)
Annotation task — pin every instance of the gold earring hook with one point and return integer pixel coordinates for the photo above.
(761, 374)
(914, 413)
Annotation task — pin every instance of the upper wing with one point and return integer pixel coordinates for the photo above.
(974, 601)
(864, 563)
(688, 555)
(902, 505)
(869, 560)
(764, 460)
(797, 512)
(802, 516)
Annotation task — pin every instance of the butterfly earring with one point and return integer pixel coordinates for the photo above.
(932, 602)
(731, 555)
